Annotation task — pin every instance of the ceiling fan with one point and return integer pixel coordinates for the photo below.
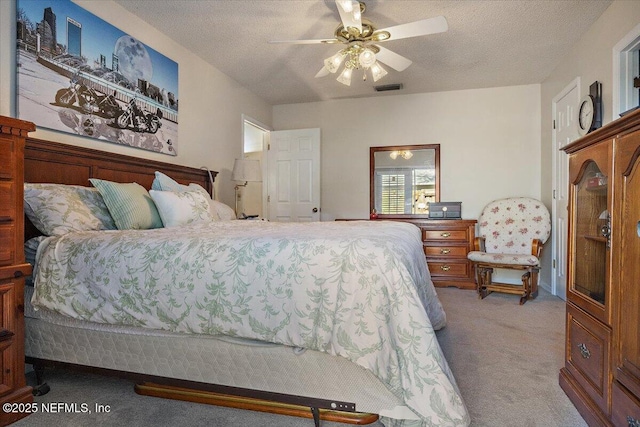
(362, 39)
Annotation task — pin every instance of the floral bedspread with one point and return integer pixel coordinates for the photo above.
(360, 290)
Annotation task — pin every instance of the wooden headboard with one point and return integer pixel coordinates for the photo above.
(52, 162)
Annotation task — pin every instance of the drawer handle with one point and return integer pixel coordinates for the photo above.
(584, 351)
(445, 268)
(5, 334)
(445, 234)
(633, 422)
(444, 251)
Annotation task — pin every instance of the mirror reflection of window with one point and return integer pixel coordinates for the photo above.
(404, 180)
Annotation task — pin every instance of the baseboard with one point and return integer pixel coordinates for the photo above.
(546, 287)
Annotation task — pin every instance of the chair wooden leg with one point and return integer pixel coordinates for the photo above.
(483, 279)
(478, 280)
(534, 282)
(526, 287)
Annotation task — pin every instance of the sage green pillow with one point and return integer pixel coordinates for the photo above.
(130, 205)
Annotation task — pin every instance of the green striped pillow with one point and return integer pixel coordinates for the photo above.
(129, 204)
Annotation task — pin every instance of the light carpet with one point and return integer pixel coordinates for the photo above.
(505, 358)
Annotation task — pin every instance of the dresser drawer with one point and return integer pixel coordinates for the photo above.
(449, 269)
(7, 158)
(446, 251)
(445, 235)
(7, 201)
(587, 354)
(7, 249)
(625, 408)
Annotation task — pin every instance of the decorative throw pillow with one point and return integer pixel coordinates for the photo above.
(57, 209)
(163, 182)
(181, 208)
(129, 204)
(221, 212)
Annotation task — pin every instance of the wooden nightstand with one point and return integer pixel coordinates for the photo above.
(446, 245)
(13, 269)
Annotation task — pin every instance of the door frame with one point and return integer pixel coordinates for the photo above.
(555, 185)
(265, 146)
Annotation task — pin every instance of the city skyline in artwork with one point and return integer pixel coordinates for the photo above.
(79, 74)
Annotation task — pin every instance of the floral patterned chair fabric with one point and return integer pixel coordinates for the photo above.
(511, 234)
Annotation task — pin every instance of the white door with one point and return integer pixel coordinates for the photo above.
(294, 175)
(565, 131)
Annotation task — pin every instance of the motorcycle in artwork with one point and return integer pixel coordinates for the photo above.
(88, 100)
(139, 120)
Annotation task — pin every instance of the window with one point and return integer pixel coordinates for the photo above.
(392, 192)
(404, 191)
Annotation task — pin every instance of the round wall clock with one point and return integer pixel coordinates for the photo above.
(586, 115)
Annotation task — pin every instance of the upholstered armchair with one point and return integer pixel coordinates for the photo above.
(512, 232)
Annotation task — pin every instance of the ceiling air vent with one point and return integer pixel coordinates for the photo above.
(384, 88)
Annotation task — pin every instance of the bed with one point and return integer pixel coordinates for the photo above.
(336, 317)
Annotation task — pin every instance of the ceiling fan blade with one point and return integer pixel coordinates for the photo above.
(323, 72)
(417, 28)
(392, 59)
(350, 14)
(310, 41)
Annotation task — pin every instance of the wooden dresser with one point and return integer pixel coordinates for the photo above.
(446, 245)
(13, 269)
(602, 359)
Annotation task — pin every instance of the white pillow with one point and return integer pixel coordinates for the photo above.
(221, 212)
(181, 208)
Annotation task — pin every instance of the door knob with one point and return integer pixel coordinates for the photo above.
(315, 210)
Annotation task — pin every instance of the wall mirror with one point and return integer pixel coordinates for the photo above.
(403, 179)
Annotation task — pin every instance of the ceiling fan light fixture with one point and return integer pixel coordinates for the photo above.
(405, 154)
(345, 76)
(362, 51)
(377, 72)
(367, 58)
(333, 63)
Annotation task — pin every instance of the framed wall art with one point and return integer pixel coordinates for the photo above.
(78, 74)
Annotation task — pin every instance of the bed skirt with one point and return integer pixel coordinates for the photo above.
(204, 359)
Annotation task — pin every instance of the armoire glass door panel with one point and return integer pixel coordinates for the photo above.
(592, 234)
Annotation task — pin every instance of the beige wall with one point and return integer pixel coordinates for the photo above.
(494, 142)
(489, 143)
(211, 103)
(590, 59)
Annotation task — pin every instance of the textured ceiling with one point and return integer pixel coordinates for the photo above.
(489, 43)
